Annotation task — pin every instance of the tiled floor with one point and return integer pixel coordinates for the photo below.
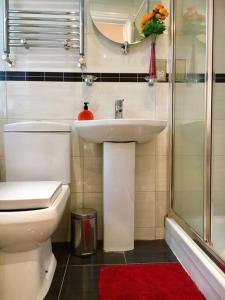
(77, 278)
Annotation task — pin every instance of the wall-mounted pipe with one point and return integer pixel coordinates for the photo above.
(81, 62)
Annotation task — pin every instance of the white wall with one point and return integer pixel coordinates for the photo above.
(61, 101)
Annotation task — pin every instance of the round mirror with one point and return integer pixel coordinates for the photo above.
(119, 20)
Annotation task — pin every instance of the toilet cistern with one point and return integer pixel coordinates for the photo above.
(119, 109)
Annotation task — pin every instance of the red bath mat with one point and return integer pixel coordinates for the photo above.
(147, 282)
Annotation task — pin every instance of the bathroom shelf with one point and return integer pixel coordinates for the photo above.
(43, 29)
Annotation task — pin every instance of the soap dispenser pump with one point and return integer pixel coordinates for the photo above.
(85, 114)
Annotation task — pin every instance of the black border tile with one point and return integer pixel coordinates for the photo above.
(141, 77)
(220, 78)
(101, 77)
(15, 76)
(54, 76)
(2, 75)
(35, 76)
(110, 75)
(110, 79)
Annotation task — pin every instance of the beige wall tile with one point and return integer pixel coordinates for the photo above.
(162, 142)
(93, 175)
(160, 233)
(146, 148)
(162, 183)
(145, 173)
(144, 233)
(161, 210)
(144, 209)
(77, 144)
(92, 150)
(62, 232)
(94, 200)
(76, 200)
(218, 173)
(77, 175)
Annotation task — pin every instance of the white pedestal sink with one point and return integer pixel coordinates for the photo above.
(118, 137)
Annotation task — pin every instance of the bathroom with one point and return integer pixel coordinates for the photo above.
(177, 195)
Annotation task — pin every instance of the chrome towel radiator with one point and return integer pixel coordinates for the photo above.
(45, 29)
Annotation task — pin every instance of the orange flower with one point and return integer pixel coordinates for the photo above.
(163, 11)
(158, 16)
(146, 19)
(158, 6)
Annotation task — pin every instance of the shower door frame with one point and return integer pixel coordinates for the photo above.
(204, 242)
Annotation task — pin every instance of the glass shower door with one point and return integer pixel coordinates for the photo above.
(189, 102)
(218, 133)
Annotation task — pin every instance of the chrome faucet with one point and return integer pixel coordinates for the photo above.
(119, 109)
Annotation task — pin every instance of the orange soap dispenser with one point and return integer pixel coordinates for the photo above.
(85, 114)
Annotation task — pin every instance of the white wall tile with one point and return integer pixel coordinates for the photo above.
(41, 100)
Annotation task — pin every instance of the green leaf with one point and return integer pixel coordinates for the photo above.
(154, 27)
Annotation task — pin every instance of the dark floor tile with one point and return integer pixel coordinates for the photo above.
(81, 282)
(56, 284)
(150, 252)
(61, 252)
(100, 258)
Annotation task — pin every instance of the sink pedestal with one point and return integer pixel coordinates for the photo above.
(118, 196)
(118, 136)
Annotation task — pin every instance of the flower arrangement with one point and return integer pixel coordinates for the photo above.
(153, 22)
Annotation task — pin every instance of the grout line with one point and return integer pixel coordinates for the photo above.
(96, 265)
(154, 263)
(60, 290)
(132, 263)
(125, 258)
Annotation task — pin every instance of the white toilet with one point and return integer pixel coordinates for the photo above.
(32, 202)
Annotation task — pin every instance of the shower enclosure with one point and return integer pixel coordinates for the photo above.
(198, 121)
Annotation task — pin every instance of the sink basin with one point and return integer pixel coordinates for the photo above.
(119, 130)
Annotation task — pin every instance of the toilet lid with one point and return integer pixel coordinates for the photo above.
(28, 195)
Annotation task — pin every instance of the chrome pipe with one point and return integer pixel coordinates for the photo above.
(82, 28)
(209, 117)
(44, 39)
(14, 18)
(172, 66)
(26, 45)
(6, 49)
(32, 12)
(43, 26)
(43, 32)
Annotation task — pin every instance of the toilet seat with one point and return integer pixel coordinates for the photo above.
(28, 195)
